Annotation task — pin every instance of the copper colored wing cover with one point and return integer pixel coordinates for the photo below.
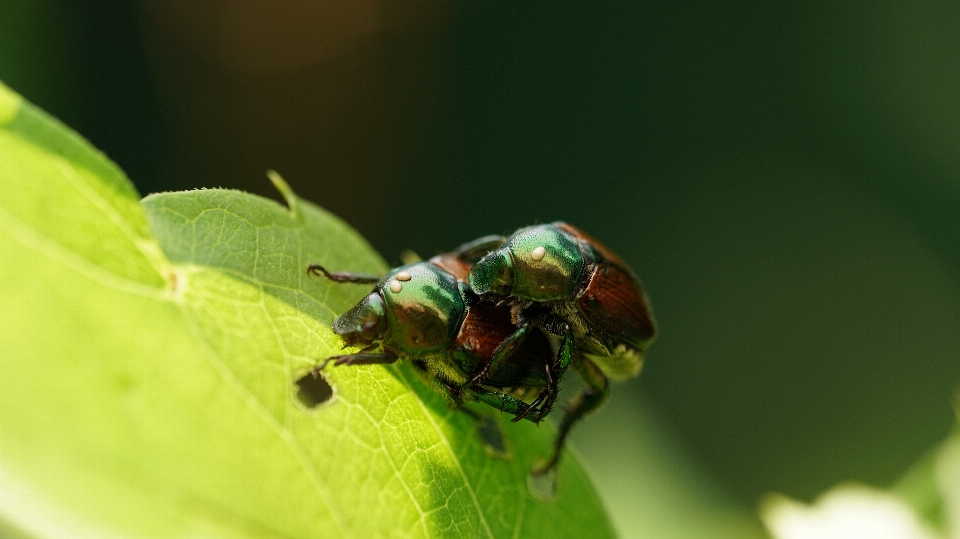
(484, 328)
(617, 308)
(600, 248)
(613, 299)
(453, 264)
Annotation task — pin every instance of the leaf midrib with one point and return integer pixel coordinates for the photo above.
(218, 363)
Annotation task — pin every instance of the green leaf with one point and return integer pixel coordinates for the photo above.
(147, 385)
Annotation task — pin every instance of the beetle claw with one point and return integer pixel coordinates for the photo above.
(316, 370)
(526, 411)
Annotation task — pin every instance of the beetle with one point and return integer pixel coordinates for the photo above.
(426, 312)
(564, 281)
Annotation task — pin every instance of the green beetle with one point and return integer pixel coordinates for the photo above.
(562, 280)
(472, 350)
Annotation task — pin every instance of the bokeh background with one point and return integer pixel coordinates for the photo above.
(785, 178)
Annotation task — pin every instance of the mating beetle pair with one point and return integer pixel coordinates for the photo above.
(477, 321)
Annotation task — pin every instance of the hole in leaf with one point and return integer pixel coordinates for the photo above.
(313, 390)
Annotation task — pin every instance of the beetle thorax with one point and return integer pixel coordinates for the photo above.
(547, 264)
(423, 308)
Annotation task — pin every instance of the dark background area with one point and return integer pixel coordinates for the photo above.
(784, 177)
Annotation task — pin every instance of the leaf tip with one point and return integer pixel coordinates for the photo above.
(10, 102)
(285, 190)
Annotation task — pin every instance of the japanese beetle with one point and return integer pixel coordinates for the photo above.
(562, 280)
(425, 312)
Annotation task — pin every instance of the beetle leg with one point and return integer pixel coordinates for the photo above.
(556, 371)
(546, 397)
(500, 401)
(368, 348)
(362, 358)
(537, 402)
(456, 395)
(504, 351)
(553, 373)
(579, 406)
(343, 276)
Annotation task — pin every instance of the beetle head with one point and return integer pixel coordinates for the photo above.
(493, 274)
(541, 263)
(364, 323)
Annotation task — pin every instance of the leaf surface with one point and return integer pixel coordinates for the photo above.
(148, 382)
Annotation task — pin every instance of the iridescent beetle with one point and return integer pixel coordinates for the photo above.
(426, 313)
(558, 278)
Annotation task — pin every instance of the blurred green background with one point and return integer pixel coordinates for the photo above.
(785, 178)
